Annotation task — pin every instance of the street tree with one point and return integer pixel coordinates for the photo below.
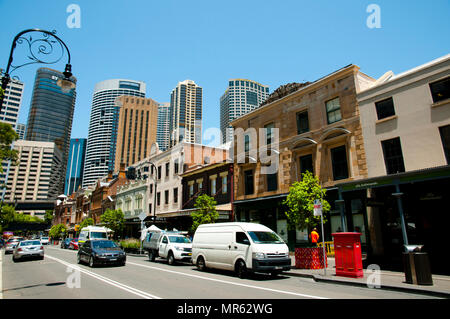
(7, 137)
(48, 218)
(7, 213)
(114, 220)
(57, 231)
(206, 211)
(300, 203)
(86, 222)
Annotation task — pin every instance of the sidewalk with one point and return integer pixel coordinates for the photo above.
(389, 280)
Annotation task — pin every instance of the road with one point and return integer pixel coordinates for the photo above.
(59, 276)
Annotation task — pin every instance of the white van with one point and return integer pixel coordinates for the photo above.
(240, 247)
(92, 233)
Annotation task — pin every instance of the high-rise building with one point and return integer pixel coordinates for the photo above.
(12, 102)
(21, 130)
(103, 125)
(241, 96)
(163, 131)
(51, 114)
(136, 130)
(37, 175)
(75, 165)
(10, 113)
(186, 113)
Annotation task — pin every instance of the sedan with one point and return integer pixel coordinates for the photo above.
(11, 244)
(73, 244)
(65, 243)
(96, 252)
(28, 249)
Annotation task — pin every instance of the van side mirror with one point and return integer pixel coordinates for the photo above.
(246, 242)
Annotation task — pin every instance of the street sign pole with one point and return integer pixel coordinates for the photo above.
(317, 212)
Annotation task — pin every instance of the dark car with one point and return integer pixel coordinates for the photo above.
(96, 252)
(65, 243)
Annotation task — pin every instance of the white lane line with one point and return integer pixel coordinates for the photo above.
(228, 282)
(114, 283)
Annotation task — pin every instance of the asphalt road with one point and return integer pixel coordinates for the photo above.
(59, 276)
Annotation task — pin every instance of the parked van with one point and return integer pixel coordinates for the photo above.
(92, 233)
(240, 247)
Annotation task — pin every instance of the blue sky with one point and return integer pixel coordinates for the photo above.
(209, 41)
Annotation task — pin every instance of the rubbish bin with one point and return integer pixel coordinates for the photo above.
(417, 266)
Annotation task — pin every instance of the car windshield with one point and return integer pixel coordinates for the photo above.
(179, 239)
(265, 237)
(103, 244)
(44, 238)
(30, 243)
(98, 235)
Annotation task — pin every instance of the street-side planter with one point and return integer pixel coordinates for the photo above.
(309, 258)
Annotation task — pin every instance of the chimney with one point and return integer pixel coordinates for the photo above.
(122, 172)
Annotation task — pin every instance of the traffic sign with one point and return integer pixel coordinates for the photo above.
(317, 207)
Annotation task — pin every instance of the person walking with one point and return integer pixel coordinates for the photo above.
(314, 237)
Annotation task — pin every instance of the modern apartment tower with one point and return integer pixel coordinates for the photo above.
(103, 125)
(75, 165)
(21, 130)
(241, 96)
(37, 175)
(186, 113)
(12, 102)
(51, 114)
(163, 130)
(136, 130)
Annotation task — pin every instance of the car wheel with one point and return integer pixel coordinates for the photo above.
(78, 259)
(151, 255)
(201, 265)
(241, 269)
(15, 259)
(171, 259)
(91, 262)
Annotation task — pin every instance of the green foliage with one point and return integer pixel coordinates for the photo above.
(6, 215)
(300, 202)
(114, 220)
(7, 137)
(131, 243)
(206, 211)
(57, 231)
(86, 222)
(48, 218)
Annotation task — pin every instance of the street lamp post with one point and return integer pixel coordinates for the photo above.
(42, 49)
(154, 196)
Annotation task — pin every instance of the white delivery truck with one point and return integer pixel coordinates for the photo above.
(240, 247)
(171, 245)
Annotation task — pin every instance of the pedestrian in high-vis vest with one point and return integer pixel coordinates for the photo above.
(314, 236)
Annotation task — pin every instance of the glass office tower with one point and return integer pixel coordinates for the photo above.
(51, 114)
(75, 165)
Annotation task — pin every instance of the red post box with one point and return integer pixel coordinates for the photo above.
(347, 255)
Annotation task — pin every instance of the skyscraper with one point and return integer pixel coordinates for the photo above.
(21, 130)
(241, 96)
(136, 130)
(163, 131)
(12, 102)
(51, 114)
(186, 113)
(103, 125)
(75, 165)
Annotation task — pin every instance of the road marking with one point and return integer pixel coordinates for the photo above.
(228, 282)
(114, 283)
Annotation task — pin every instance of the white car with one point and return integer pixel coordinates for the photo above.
(44, 240)
(28, 249)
